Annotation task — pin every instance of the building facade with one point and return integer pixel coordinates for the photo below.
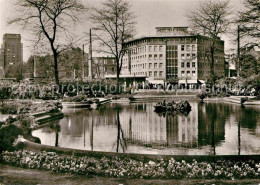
(103, 66)
(173, 56)
(231, 60)
(13, 49)
(2, 63)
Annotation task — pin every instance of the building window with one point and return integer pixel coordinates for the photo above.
(182, 64)
(161, 56)
(182, 47)
(193, 55)
(182, 73)
(161, 65)
(182, 56)
(150, 48)
(188, 56)
(188, 73)
(188, 47)
(155, 73)
(155, 57)
(193, 48)
(112, 69)
(150, 65)
(150, 57)
(188, 64)
(160, 48)
(161, 73)
(193, 73)
(155, 65)
(150, 73)
(193, 64)
(155, 48)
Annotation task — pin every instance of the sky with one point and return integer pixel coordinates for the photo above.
(149, 14)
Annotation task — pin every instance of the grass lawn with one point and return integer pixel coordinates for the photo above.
(16, 175)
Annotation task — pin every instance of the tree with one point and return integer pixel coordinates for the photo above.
(211, 19)
(50, 21)
(250, 22)
(43, 67)
(249, 65)
(70, 62)
(114, 25)
(15, 71)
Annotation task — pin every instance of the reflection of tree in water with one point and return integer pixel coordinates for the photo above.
(121, 142)
(248, 118)
(55, 127)
(211, 120)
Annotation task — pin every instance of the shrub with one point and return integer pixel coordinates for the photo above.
(201, 96)
(243, 100)
(257, 97)
(9, 108)
(12, 128)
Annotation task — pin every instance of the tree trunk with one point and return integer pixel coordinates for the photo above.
(212, 53)
(117, 77)
(56, 72)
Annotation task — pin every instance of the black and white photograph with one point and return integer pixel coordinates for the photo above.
(122, 92)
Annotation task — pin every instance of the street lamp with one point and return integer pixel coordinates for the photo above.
(238, 50)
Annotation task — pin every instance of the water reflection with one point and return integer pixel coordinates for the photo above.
(210, 128)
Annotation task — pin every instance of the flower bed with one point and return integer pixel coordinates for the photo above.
(132, 168)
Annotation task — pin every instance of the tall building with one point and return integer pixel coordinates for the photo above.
(1, 62)
(12, 50)
(174, 56)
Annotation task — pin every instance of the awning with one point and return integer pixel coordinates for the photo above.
(156, 81)
(201, 81)
(124, 76)
(188, 81)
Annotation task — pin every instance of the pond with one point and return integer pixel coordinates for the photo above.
(209, 129)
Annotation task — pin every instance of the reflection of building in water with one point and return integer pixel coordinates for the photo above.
(212, 118)
(183, 130)
(143, 127)
(147, 128)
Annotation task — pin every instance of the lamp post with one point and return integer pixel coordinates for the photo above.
(83, 60)
(90, 56)
(238, 51)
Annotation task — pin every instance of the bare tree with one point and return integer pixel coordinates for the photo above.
(211, 19)
(250, 22)
(114, 25)
(49, 20)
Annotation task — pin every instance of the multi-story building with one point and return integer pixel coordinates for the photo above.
(174, 56)
(13, 49)
(231, 60)
(103, 66)
(1, 62)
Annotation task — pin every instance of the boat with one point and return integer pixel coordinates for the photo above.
(99, 101)
(76, 104)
